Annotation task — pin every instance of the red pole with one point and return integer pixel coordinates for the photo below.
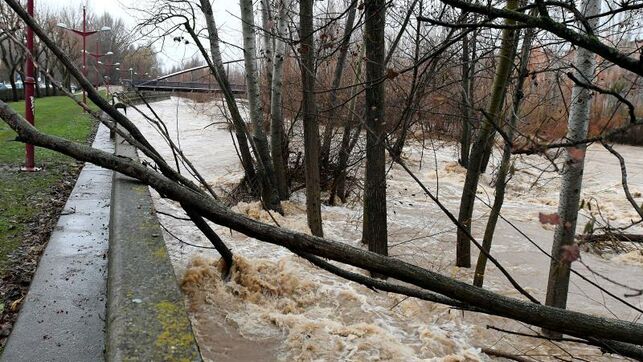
(84, 52)
(96, 60)
(30, 163)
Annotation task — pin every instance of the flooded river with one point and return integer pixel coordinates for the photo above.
(279, 307)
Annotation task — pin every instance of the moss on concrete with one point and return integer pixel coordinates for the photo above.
(175, 333)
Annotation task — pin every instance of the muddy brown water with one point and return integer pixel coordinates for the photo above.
(282, 308)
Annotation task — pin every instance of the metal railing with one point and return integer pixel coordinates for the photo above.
(187, 86)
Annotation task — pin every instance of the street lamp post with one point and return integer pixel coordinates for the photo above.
(131, 77)
(29, 83)
(97, 56)
(109, 66)
(84, 34)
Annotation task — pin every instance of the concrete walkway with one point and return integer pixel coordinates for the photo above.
(63, 316)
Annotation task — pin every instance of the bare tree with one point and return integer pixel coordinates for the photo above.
(503, 171)
(572, 178)
(12, 57)
(374, 231)
(467, 101)
(267, 24)
(218, 70)
(503, 70)
(311, 123)
(277, 136)
(268, 179)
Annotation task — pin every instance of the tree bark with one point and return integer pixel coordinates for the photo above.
(572, 173)
(374, 231)
(465, 136)
(277, 136)
(267, 38)
(503, 69)
(311, 124)
(268, 179)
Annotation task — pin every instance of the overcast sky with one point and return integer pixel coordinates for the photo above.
(226, 16)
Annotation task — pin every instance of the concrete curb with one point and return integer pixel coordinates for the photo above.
(146, 317)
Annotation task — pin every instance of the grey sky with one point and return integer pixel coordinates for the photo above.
(226, 15)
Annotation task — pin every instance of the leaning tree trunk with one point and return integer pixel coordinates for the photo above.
(501, 175)
(503, 69)
(268, 179)
(222, 78)
(337, 79)
(374, 224)
(311, 124)
(572, 177)
(276, 114)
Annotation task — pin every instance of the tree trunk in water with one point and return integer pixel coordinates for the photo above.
(268, 180)
(501, 176)
(465, 137)
(572, 173)
(374, 224)
(311, 125)
(277, 118)
(222, 78)
(503, 69)
(337, 79)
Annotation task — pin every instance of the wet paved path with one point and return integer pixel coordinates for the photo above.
(63, 316)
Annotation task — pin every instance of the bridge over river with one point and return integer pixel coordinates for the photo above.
(179, 82)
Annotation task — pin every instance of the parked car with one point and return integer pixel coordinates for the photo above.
(3, 86)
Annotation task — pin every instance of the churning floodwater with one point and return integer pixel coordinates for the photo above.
(278, 306)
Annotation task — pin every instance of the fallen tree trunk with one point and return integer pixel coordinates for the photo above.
(569, 322)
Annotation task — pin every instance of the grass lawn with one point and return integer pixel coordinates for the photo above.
(25, 196)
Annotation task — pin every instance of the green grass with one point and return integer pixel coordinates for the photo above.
(24, 195)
